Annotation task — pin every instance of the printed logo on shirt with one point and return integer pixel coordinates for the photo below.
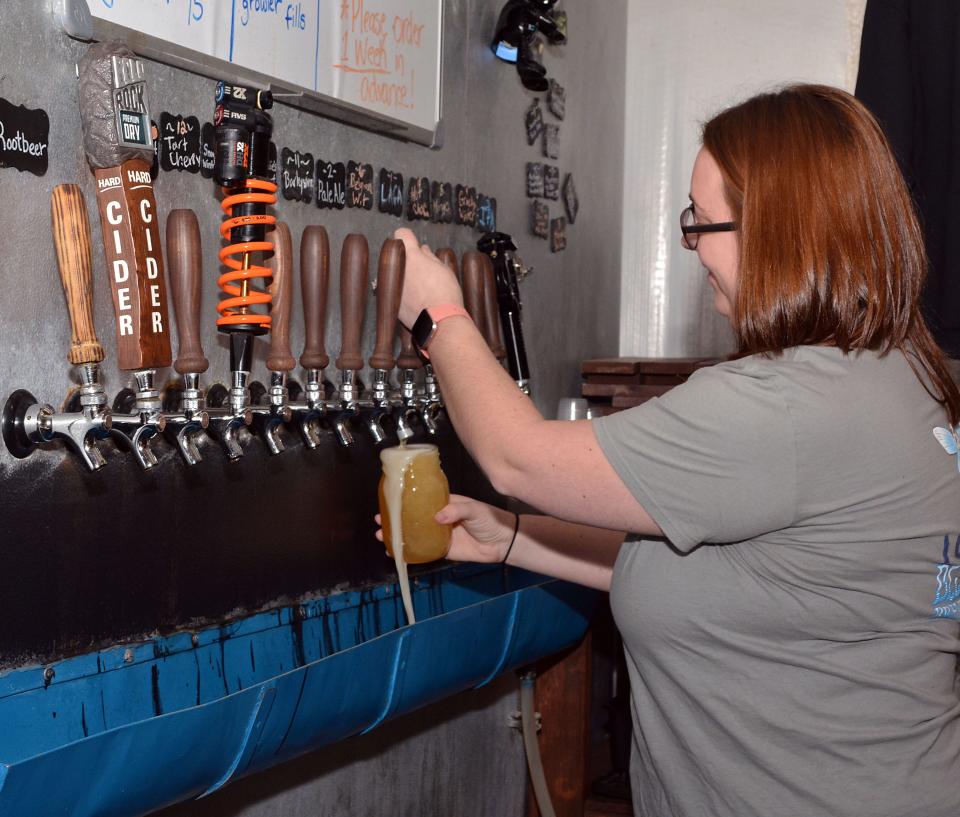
(946, 604)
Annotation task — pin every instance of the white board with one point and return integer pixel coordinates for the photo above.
(371, 62)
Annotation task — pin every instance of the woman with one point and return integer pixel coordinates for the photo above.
(792, 631)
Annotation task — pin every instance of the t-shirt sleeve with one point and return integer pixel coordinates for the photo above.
(712, 460)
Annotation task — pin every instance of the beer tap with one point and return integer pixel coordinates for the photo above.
(473, 282)
(389, 286)
(354, 281)
(27, 423)
(267, 420)
(185, 262)
(491, 311)
(314, 281)
(242, 170)
(508, 272)
(408, 362)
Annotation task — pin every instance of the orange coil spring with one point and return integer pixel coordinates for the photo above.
(236, 309)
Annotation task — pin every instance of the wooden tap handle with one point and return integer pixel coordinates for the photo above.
(408, 359)
(185, 265)
(280, 358)
(491, 310)
(314, 283)
(389, 288)
(354, 282)
(449, 257)
(472, 270)
(71, 237)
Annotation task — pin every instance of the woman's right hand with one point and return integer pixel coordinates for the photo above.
(481, 532)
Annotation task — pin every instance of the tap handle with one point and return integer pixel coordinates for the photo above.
(491, 310)
(473, 287)
(449, 257)
(409, 359)
(389, 287)
(314, 283)
(185, 262)
(280, 358)
(354, 282)
(71, 236)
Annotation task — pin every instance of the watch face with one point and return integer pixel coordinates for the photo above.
(423, 329)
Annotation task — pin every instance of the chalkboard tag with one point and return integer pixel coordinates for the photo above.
(297, 175)
(273, 164)
(157, 149)
(534, 122)
(24, 138)
(465, 206)
(180, 142)
(418, 198)
(359, 185)
(390, 196)
(539, 219)
(558, 234)
(551, 182)
(557, 99)
(441, 202)
(486, 214)
(331, 185)
(570, 201)
(208, 147)
(534, 180)
(551, 141)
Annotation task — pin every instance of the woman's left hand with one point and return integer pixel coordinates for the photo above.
(427, 281)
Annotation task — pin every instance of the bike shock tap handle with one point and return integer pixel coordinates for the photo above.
(389, 288)
(280, 358)
(71, 236)
(354, 282)
(185, 262)
(314, 283)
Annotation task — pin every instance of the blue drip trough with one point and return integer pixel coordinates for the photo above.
(127, 730)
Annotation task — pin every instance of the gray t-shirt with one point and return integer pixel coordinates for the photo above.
(792, 647)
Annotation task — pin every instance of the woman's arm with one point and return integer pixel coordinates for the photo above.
(564, 550)
(555, 466)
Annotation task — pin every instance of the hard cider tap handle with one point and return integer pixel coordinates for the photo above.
(389, 288)
(354, 282)
(280, 358)
(408, 359)
(491, 310)
(71, 236)
(314, 283)
(472, 268)
(185, 263)
(449, 257)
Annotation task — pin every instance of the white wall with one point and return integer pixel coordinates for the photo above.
(686, 60)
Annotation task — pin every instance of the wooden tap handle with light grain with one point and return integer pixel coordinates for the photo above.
(314, 283)
(471, 269)
(71, 237)
(449, 257)
(389, 288)
(185, 265)
(408, 359)
(491, 310)
(280, 358)
(354, 282)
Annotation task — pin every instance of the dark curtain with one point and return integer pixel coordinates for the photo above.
(910, 78)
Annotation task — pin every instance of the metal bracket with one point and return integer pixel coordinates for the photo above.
(73, 16)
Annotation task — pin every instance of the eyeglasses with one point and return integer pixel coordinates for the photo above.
(691, 230)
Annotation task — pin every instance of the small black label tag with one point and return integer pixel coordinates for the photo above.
(390, 198)
(486, 214)
(179, 142)
(24, 138)
(360, 185)
(331, 185)
(208, 149)
(297, 178)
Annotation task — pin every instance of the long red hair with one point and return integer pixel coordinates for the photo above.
(831, 251)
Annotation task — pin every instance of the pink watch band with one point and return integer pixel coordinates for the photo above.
(439, 313)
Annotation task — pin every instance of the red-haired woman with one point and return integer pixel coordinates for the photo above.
(788, 588)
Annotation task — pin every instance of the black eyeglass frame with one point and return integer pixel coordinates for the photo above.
(695, 230)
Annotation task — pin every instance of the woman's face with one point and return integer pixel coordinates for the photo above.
(718, 252)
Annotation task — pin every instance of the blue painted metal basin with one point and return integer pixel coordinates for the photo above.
(127, 730)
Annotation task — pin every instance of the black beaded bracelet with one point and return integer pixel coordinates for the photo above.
(516, 527)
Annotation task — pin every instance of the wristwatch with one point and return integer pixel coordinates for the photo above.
(427, 325)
